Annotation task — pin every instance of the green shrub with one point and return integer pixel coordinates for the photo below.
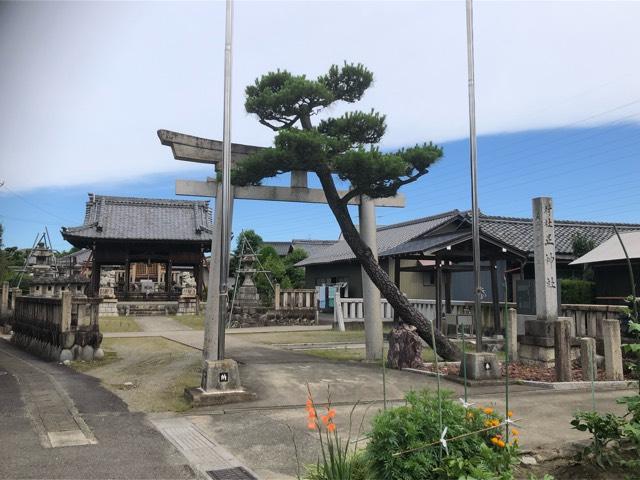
(479, 455)
(576, 291)
(615, 439)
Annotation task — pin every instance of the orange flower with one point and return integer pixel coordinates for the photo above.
(488, 410)
(509, 414)
(325, 419)
(500, 443)
(331, 427)
(309, 403)
(312, 413)
(331, 413)
(311, 425)
(515, 431)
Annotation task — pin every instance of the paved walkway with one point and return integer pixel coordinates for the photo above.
(258, 434)
(56, 423)
(159, 324)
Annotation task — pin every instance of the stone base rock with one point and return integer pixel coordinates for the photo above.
(199, 398)
(66, 355)
(481, 366)
(220, 384)
(405, 348)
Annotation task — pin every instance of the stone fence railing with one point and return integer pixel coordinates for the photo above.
(294, 299)
(58, 329)
(587, 319)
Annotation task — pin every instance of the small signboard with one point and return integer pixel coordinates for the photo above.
(526, 297)
(224, 377)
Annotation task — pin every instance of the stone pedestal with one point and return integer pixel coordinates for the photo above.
(481, 366)
(109, 305)
(188, 302)
(220, 385)
(537, 346)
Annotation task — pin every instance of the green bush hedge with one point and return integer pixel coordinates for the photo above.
(576, 291)
(480, 455)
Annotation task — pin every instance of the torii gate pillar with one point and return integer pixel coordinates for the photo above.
(370, 293)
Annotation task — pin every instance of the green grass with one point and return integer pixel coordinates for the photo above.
(118, 324)
(159, 370)
(313, 336)
(353, 354)
(195, 322)
(110, 356)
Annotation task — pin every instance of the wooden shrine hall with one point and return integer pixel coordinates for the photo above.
(155, 239)
(445, 253)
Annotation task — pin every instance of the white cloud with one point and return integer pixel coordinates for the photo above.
(84, 86)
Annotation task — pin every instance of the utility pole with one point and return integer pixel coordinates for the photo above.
(225, 193)
(475, 218)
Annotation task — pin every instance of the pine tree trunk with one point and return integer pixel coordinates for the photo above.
(407, 312)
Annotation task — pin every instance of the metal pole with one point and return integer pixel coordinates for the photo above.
(475, 219)
(225, 190)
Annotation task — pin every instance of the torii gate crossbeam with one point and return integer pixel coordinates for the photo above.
(202, 150)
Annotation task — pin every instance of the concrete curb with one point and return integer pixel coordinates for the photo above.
(600, 386)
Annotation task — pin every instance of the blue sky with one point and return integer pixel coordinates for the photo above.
(85, 85)
(590, 172)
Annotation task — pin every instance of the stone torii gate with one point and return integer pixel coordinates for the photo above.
(202, 150)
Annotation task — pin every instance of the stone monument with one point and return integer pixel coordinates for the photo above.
(246, 297)
(537, 344)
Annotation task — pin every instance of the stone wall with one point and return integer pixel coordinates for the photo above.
(58, 329)
(269, 318)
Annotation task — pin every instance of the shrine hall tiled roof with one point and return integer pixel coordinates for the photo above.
(517, 233)
(128, 218)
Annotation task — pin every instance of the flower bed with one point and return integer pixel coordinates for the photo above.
(521, 371)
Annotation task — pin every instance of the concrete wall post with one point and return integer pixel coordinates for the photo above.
(276, 299)
(370, 293)
(562, 350)
(588, 358)
(65, 323)
(612, 349)
(4, 307)
(15, 293)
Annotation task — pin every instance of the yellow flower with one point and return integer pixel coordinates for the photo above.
(488, 410)
(509, 414)
(515, 431)
(469, 415)
(494, 440)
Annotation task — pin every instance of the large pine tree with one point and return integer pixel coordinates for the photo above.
(344, 146)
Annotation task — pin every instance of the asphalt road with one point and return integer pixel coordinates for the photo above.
(44, 404)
